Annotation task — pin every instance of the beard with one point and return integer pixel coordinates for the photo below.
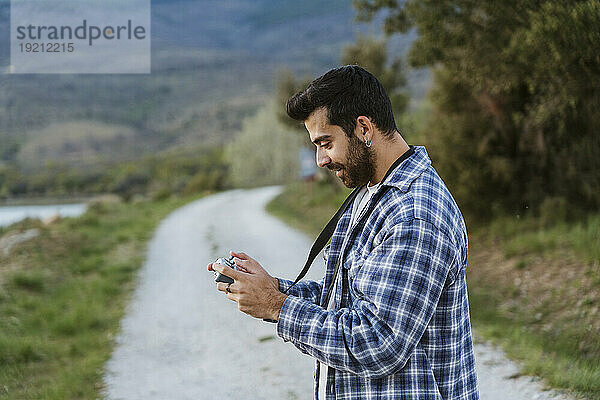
(359, 167)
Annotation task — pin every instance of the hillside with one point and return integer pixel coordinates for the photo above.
(213, 63)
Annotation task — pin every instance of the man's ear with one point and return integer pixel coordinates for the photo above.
(365, 127)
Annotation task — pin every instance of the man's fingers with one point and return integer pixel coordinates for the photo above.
(250, 266)
(232, 297)
(232, 294)
(230, 272)
(222, 287)
(241, 263)
(248, 263)
(241, 255)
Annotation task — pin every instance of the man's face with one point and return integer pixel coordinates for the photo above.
(352, 160)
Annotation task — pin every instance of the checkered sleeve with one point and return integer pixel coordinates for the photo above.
(396, 289)
(308, 290)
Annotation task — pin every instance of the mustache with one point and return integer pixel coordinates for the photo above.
(335, 167)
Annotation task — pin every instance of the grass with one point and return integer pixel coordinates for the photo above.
(63, 294)
(534, 289)
(530, 236)
(307, 206)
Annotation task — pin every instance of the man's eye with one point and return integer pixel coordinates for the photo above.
(325, 144)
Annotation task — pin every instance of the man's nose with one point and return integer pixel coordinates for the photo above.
(322, 158)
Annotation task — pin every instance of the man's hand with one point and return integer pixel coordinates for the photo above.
(256, 292)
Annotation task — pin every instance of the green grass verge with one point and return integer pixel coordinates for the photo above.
(63, 294)
(533, 289)
(307, 206)
(554, 356)
(529, 235)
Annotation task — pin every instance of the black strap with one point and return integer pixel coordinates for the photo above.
(324, 236)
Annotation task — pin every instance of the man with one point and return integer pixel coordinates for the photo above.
(393, 321)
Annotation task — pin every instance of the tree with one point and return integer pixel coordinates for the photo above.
(372, 54)
(515, 110)
(265, 152)
(286, 85)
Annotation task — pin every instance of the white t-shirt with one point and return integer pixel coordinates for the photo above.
(358, 205)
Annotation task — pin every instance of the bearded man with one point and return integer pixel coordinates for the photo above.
(390, 319)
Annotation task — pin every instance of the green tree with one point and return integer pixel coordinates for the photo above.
(286, 85)
(372, 54)
(516, 104)
(265, 152)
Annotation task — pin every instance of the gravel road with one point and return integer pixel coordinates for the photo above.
(181, 339)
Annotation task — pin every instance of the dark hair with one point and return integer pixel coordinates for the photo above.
(347, 92)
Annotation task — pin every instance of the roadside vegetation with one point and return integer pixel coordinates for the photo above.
(179, 171)
(534, 288)
(63, 293)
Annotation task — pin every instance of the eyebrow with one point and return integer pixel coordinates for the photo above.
(321, 138)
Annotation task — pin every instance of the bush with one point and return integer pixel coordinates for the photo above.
(29, 281)
(265, 152)
(553, 210)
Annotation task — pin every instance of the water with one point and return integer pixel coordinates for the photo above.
(11, 214)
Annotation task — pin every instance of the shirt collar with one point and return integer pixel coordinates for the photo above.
(405, 173)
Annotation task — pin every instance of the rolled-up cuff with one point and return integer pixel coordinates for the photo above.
(284, 284)
(292, 317)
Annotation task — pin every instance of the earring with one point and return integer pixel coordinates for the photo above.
(367, 142)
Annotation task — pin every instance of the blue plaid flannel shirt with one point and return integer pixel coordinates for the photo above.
(400, 327)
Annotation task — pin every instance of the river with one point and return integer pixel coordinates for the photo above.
(11, 214)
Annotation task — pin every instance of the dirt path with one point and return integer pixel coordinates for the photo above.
(181, 339)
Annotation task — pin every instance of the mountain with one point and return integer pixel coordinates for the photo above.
(213, 63)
